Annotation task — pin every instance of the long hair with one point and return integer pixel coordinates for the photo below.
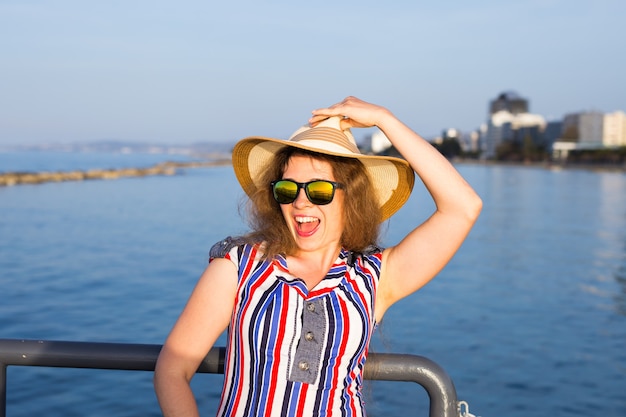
(362, 215)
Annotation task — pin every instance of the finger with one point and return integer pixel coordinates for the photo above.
(347, 123)
(315, 119)
(326, 111)
(321, 114)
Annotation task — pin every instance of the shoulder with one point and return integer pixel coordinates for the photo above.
(238, 249)
(223, 247)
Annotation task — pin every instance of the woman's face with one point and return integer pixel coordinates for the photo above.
(313, 227)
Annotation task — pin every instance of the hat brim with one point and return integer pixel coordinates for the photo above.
(392, 178)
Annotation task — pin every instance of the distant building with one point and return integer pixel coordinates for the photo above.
(590, 128)
(482, 138)
(509, 120)
(450, 134)
(585, 127)
(595, 129)
(508, 101)
(614, 129)
(470, 142)
(380, 142)
(570, 131)
(552, 133)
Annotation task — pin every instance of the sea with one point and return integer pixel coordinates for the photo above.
(528, 319)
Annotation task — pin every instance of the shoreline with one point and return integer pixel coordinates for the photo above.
(550, 165)
(8, 179)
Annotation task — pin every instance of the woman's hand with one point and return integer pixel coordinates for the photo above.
(355, 113)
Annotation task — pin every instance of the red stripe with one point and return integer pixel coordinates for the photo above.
(302, 398)
(277, 349)
(346, 335)
(232, 322)
(240, 349)
(342, 349)
(356, 290)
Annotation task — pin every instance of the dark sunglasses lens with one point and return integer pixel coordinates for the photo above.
(285, 192)
(320, 192)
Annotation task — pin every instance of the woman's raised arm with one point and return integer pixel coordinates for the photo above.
(427, 248)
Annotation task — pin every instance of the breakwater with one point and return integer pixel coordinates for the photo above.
(163, 168)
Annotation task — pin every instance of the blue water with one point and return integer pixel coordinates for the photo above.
(17, 161)
(529, 319)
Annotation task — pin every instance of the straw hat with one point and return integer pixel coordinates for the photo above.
(391, 177)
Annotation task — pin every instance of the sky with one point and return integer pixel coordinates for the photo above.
(181, 72)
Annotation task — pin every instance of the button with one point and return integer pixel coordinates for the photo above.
(310, 307)
(309, 336)
(304, 366)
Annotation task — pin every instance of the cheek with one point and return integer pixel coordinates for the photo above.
(338, 212)
(283, 210)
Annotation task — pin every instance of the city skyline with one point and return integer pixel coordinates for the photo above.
(194, 72)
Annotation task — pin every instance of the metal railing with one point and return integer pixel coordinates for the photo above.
(142, 357)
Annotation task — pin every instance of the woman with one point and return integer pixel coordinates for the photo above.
(303, 292)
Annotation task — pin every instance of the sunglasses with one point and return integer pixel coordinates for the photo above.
(319, 192)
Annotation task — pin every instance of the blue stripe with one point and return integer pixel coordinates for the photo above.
(271, 328)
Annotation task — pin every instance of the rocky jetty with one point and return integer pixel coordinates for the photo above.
(164, 168)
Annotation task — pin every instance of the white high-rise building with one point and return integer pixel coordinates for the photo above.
(614, 129)
(503, 125)
(380, 142)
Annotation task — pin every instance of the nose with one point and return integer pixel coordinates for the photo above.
(301, 198)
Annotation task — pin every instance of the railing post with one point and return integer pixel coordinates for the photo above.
(415, 368)
(3, 390)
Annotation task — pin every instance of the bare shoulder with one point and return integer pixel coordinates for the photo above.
(220, 272)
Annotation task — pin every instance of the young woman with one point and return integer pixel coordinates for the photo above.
(303, 292)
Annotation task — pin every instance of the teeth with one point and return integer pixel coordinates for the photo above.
(306, 219)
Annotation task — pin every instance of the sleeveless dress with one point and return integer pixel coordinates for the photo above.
(295, 352)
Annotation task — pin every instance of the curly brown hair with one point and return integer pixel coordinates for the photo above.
(362, 215)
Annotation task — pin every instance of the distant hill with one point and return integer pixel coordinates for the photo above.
(118, 146)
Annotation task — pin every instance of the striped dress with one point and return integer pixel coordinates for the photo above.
(295, 352)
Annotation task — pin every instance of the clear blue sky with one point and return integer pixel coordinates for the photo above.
(187, 71)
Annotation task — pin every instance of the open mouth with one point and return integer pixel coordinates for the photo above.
(306, 225)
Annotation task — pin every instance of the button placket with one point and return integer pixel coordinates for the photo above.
(309, 349)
